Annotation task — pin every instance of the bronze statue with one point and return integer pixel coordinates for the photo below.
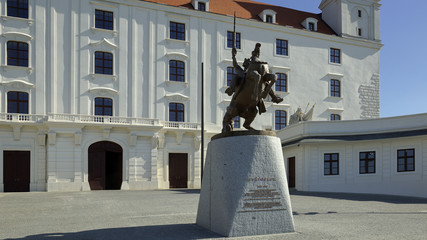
(251, 85)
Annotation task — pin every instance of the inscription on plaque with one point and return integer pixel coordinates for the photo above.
(263, 198)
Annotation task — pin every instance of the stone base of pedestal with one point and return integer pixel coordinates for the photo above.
(244, 189)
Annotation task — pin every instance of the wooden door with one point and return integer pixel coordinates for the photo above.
(16, 171)
(113, 170)
(178, 170)
(97, 170)
(291, 172)
(105, 166)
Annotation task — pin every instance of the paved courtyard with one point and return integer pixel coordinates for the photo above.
(171, 214)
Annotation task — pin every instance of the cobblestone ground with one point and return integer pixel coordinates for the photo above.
(172, 214)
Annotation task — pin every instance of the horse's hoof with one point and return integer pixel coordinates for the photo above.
(248, 127)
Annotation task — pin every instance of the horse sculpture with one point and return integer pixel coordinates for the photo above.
(248, 96)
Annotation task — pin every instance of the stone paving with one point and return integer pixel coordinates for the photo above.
(171, 214)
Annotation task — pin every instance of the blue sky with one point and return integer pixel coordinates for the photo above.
(403, 59)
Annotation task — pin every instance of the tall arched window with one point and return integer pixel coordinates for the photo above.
(335, 88)
(282, 82)
(280, 119)
(176, 112)
(176, 71)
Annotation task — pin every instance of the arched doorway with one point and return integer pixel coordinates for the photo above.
(105, 166)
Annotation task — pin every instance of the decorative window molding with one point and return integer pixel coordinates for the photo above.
(281, 69)
(185, 42)
(104, 42)
(307, 21)
(112, 32)
(336, 75)
(103, 91)
(6, 68)
(335, 110)
(17, 84)
(17, 36)
(9, 18)
(230, 62)
(97, 75)
(169, 83)
(177, 55)
(279, 106)
(177, 97)
(268, 12)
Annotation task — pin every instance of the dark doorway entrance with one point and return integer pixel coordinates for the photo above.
(105, 166)
(178, 170)
(16, 171)
(291, 172)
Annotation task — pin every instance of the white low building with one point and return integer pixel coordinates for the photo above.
(102, 94)
(379, 156)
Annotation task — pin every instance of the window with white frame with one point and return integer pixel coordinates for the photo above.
(331, 164)
(104, 19)
(17, 8)
(17, 53)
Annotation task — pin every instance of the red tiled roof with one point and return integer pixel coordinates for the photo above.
(249, 9)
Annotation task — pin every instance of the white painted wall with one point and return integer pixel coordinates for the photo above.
(309, 156)
(62, 85)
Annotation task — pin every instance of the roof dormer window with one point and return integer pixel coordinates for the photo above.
(310, 24)
(268, 16)
(201, 5)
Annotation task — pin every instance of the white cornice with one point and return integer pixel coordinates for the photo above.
(7, 18)
(104, 42)
(177, 97)
(336, 75)
(103, 4)
(17, 84)
(281, 68)
(17, 35)
(103, 91)
(177, 54)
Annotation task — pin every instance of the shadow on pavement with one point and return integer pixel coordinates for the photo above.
(184, 190)
(175, 232)
(363, 197)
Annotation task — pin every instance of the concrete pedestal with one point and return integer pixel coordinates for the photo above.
(244, 189)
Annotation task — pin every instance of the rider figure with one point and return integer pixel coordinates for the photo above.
(241, 73)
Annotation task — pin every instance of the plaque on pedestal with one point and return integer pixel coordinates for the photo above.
(244, 189)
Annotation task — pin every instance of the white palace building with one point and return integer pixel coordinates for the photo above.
(107, 94)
